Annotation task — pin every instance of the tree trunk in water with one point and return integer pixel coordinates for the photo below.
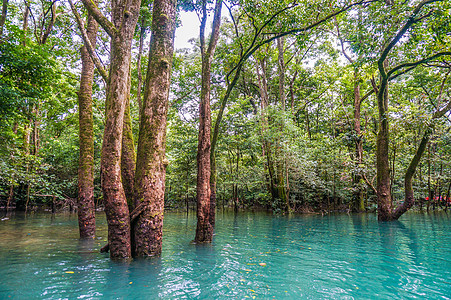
(151, 161)
(384, 207)
(128, 155)
(204, 230)
(124, 18)
(86, 211)
(409, 199)
(212, 189)
(430, 194)
(384, 201)
(206, 211)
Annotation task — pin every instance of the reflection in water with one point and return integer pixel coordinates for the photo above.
(252, 255)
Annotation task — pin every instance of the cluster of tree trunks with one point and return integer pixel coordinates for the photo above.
(125, 186)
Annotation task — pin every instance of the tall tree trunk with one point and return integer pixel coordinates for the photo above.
(206, 211)
(128, 155)
(3, 17)
(151, 161)
(124, 15)
(86, 211)
(409, 199)
(385, 206)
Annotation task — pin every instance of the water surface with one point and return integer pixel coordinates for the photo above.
(253, 256)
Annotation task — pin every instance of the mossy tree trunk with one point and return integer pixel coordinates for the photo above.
(384, 200)
(124, 16)
(151, 161)
(86, 210)
(206, 209)
(128, 155)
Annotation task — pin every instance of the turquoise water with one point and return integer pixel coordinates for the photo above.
(253, 256)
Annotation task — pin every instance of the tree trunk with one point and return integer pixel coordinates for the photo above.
(86, 211)
(124, 17)
(384, 200)
(26, 15)
(10, 196)
(128, 155)
(430, 194)
(206, 211)
(204, 230)
(212, 189)
(409, 199)
(3, 17)
(151, 161)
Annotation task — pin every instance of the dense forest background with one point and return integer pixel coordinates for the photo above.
(295, 90)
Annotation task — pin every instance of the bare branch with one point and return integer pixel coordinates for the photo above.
(88, 44)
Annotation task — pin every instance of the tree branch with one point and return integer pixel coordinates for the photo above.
(419, 62)
(100, 18)
(398, 36)
(88, 44)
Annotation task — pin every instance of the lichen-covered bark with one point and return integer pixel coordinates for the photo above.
(205, 211)
(151, 162)
(124, 18)
(204, 230)
(86, 213)
(212, 188)
(128, 155)
(384, 202)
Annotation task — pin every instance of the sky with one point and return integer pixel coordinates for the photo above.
(188, 30)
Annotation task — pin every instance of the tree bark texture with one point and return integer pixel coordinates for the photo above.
(86, 211)
(121, 29)
(408, 188)
(151, 161)
(128, 155)
(206, 209)
(384, 201)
